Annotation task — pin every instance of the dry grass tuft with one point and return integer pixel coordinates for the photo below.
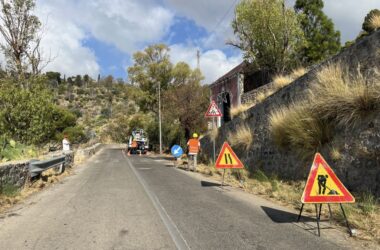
(335, 154)
(346, 99)
(261, 96)
(236, 111)
(281, 81)
(214, 134)
(48, 178)
(374, 22)
(337, 100)
(243, 136)
(299, 129)
(297, 73)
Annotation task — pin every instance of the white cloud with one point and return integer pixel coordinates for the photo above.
(125, 24)
(213, 63)
(62, 41)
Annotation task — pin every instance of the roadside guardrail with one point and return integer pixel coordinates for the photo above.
(37, 167)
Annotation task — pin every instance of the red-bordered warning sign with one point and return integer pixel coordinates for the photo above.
(213, 110)
(323, 186)
(227, 158)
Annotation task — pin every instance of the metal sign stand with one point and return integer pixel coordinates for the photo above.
(224, 171)
(214, 126)
(318, 216)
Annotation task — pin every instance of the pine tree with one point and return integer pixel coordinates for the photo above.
(322, 39)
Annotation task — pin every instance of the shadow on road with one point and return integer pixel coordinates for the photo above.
(280, 216)
(209, 184)
(163, 157)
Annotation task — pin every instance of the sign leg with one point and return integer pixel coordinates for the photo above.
(320, 211)
(345, 217)
(213, 142)
(224, 171)
(316, 215)
(299, 216)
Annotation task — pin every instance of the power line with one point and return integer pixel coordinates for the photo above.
(224, 16)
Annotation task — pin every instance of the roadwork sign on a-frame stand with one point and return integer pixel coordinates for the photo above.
(324, 187)
(227, 159)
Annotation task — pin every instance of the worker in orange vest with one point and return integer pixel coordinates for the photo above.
(194, 146)
(133, 147)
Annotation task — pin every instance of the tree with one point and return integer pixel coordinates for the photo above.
(54, 76)
(30, 115)
(151, 69)
(86, 80)
(185, 100)
(322, 41)
(19, 28)
(367, 26)
(268, 33)
(78, 80)
(186, 104)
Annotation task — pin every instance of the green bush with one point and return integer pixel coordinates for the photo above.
(12, 150)
(75, 135)
(29, 115)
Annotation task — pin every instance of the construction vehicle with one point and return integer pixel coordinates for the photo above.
(138, 142)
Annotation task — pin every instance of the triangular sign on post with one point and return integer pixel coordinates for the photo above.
(227, 158)
(323, 186)
(213, 110)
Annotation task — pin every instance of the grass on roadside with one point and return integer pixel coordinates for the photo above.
(12, 195)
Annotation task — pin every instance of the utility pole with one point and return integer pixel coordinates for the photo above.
(159, 115)
(198, 59)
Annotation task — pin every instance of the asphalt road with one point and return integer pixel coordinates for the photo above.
(119, 202)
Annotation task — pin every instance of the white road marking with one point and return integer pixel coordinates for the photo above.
(173, 230)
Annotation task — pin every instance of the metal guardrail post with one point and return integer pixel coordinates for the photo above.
(37, 167)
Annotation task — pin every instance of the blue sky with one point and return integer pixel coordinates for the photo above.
(100, 36)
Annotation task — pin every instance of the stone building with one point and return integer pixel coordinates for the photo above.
(235, 88)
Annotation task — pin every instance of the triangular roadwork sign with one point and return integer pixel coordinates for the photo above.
(227, 158)
(323, 186)
(213, 110)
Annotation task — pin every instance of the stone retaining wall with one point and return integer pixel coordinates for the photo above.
(251, 96)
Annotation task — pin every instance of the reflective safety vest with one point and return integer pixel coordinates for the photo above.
(193, 145)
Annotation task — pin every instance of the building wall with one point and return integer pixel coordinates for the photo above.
(230, 86)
